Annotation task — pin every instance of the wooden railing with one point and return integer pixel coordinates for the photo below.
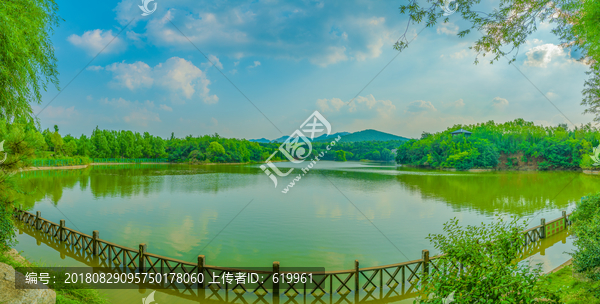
(130, 160)
(56, 162)
(403, 277)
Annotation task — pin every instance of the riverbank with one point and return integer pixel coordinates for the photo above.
(98, 164)
(572, 287)
(11, 259)
(500, 169)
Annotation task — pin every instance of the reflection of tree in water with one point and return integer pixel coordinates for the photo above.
(487, 192)
(37, 185)
(133, 180)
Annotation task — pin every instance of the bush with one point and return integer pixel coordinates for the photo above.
(586, 228)
(490, 273)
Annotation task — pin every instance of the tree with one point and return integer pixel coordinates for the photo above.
(507, 28)
(27, 61)
(340, 155)
(488, 272)
(586, 226)
(386, 155)
(215, 150)
(57, 141)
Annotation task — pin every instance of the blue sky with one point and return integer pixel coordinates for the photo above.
(290, 59)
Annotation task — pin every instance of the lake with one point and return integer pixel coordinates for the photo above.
(339, 212)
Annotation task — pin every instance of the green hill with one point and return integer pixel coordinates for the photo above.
(371, 135)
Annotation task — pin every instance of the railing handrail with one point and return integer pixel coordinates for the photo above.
(229, 268)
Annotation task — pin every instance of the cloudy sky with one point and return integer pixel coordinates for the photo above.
(272, 63)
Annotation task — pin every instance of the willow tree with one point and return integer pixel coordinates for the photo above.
(503, 31)
(27, 67)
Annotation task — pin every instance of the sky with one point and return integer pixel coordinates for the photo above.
(259, 69)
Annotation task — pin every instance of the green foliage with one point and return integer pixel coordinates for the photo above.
(21, 139)
(75, 294)
(552, 147)
(27, 62)
(214, 148)
(505, 29)
(490, 273)
(572, 288)
(586, 227)
(340, 155)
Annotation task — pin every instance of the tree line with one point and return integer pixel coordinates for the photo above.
(194, 149)
(521, 141)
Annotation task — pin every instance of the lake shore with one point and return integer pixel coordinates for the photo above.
(98, 164)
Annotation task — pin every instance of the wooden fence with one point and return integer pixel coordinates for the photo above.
(130, 160)
(56, 162)
(400, 277)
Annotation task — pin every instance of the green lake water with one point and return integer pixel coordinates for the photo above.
(337, 213)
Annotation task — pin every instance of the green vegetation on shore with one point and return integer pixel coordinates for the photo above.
(194, 149)
(519, 142)
(573, 288)
(68, 294)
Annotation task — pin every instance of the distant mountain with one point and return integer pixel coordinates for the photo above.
(325, 137)
(261, 140)
(370, 135)
(365, 135)
(280, 139)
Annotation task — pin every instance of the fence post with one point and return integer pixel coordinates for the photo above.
(425, 257)
(201, 264)
(543, 233)
(276, 273)
(142, 260)
(61, 230)
(38, 215)
(564, 215)
(95, 238)
(356, 273)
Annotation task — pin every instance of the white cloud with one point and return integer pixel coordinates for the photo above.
(132, 76)
(58, 112)
(540, 56)
(96, 40)
(139, 113)
(141, 117)
(166, 108)
(213, 60)
(330, 105)
(264, 31)
(116, 102)
(361, 104)
(384, 106)
(447, 29)
(330, 56)
(95, 68)
(552, 95)
(460, 55)
(458, 104)
(499, 103)
(177, 75)
(419, 106)
(256, 63)
(182, 76)
(127, 11)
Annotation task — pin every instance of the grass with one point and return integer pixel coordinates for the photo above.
(573, 288)
(63, 296)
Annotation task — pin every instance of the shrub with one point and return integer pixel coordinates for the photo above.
(586, 227)
(490, 273)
